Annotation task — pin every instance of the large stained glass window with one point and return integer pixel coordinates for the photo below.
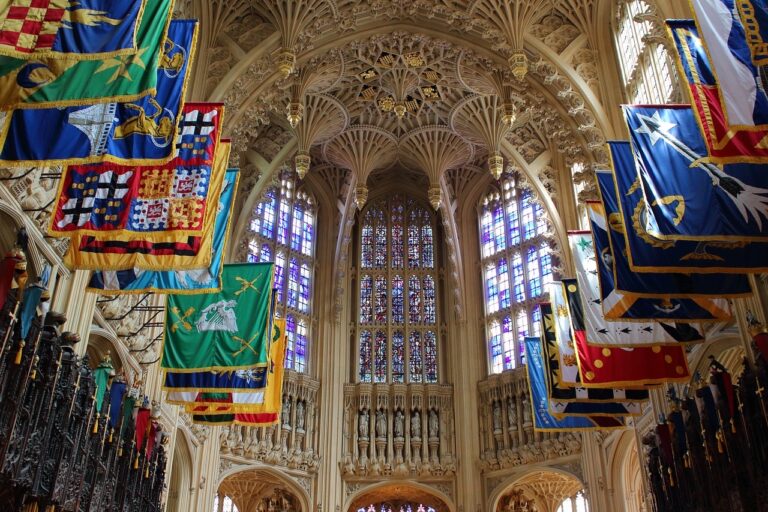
(283, 231)
(398, 319)
(517, 269)
(646, 66)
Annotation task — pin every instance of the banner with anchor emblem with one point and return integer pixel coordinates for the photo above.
(135, 132)
(224, 331)
(689, 198)
(647, 253)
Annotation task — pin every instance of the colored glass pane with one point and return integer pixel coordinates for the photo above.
(427, 246)
(284, 222)
(304, 279)
(290, 340)
(380, 308)
(518, 277)
(430, 357)
(414, 248)
(430, 306)
(366, 246)
(414, 300)
(380, 355)
(366, 299)
(527, 216)
(266, 253)
(293, 284)
(398, 314)
(300, 361)
(496, 348)
(415, 357)
(508, 342)
(279, 273)
(366, 374)
(534, 272)
(398, 357)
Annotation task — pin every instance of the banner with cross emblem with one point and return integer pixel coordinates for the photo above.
(48, 81)
(172, 197)
(223, 331)
(137, 132)
(71, 30)
(160, 250)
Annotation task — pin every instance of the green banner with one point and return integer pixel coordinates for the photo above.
(50, 82)
(222, 331)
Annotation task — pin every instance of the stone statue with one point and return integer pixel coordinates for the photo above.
(512, 412)
(286, 411)
(399, 423)
(381, 423)
(300, 415)
(496, 416)
(526, 410)
(434, 423)
(416, 424)
(362, 424)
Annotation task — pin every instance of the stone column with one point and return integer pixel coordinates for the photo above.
(206, 479)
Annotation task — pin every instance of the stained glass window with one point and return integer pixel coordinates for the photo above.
(646, 66)
(517, 268)
(282, 230)
(398, 292)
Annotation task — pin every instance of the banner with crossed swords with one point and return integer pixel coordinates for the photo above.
(224, 331)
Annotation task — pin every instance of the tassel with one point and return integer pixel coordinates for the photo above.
(112, 431)
(719, 441)
(136, 462)
(19, 353)
(95, 425)
(120, 451)
(146, 472)
(733, 427)
(671, 478)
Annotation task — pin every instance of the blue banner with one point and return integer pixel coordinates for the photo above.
(754, 19)
(204, 280)
(86, 29)
(707, 290)
(542, 419)
(210, 381)
(691, 199)
(647, 253)
(142, 131)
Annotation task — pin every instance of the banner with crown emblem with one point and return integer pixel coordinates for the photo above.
(647, 253)
(136, 132)
(203, 280)
(543, 420)
(51, 82)
(90, 29)
(726, 90)
(223, 331)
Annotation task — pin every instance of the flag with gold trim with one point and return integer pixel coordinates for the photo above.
(137, 132)
(223, 331)
(543, 420)
(691, 199)
(753, 15)
(232, 408)
(647, 253)
(726, 90)
(621, 365)
(579, 400)
(618, 333)
(88, 29)
(151, 199)
(202, 280)
(51, 82)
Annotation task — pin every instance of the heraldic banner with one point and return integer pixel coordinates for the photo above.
(223, 331)
(50, 82)
(71, 30)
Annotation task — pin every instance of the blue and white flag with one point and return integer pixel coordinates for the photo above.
(705, 290)
(142, 131)
(204, 280)
(754, 18)
(691, 199)
(647, 253)
(745, 100)
(542, 418)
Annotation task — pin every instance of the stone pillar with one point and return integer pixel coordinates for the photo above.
(205, 480)
(594, 473)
